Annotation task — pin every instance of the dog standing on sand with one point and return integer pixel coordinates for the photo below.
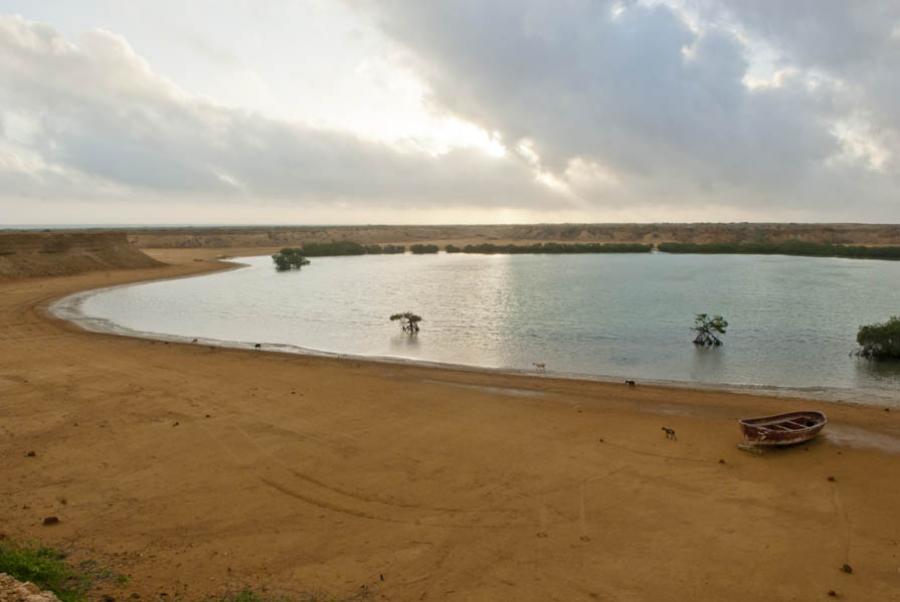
(670, 433)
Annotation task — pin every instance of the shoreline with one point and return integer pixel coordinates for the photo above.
(196, 471)
(68, 308)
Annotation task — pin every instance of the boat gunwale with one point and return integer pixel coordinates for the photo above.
(766, 421)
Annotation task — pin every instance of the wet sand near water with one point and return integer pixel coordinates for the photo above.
(199, 470)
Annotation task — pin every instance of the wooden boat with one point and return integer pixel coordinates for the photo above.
(783, 429)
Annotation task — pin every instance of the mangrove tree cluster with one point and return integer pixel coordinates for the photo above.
(422, 249)
(880, 341)
(289, 259)
(338, 248)
(789, 247)
(552, 248)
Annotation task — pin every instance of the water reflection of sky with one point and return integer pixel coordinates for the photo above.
(793, 320)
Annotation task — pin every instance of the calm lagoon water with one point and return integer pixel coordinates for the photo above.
(793, 320)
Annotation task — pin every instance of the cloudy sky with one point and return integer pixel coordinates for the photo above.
(463, 111)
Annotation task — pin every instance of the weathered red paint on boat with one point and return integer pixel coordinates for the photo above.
(783, 429)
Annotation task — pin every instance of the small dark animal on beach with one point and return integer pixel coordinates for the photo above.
(631, 383)
(257, 346)
(670, 433)
(540, 366)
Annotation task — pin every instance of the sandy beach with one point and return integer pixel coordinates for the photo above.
(199, 470)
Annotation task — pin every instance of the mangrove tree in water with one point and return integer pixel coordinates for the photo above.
(289, 259)
(708, 330)
(880, 341)
(409, 322)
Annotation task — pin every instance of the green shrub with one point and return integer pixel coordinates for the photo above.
(46, 568)
(880, 341)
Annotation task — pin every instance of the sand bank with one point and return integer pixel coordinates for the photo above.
(29, 254)
(198, 469)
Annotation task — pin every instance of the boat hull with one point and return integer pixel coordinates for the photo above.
(791, 428)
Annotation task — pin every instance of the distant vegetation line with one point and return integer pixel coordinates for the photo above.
(421, 249)
(552, 248)
(338, 248)
(790, 247)
(346, 247)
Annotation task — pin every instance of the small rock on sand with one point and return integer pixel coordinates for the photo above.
(50, 520)
(13, 590)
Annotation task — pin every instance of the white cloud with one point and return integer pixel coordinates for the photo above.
(89, 119)
(454, 111)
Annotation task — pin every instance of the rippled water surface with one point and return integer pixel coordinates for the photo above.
(793, 319)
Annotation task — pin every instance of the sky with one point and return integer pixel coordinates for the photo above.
(464, 111)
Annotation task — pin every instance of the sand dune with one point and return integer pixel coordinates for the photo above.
(30, 254)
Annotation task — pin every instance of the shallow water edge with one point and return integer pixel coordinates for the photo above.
(70, 309)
